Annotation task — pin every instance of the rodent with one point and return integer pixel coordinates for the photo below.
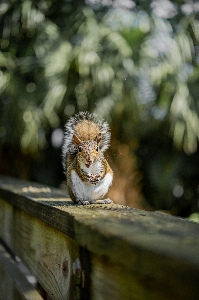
(88, 174)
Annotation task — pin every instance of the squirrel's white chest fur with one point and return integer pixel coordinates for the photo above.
(87, 191)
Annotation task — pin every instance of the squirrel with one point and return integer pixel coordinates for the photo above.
(88, 174)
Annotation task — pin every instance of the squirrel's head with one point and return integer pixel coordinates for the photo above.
(88, 151)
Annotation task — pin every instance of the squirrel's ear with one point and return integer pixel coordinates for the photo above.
(98, 138)
(76, 140)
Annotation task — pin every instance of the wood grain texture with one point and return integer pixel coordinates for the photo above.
(48, 253)
(144, 254)
(13, 283)
(111, 281)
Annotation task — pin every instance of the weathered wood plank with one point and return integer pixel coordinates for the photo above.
(13, 283)
(111, 281)
(143, 253)
(153, 272)
(48, 253)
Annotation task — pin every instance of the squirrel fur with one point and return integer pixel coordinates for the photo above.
(88, 174)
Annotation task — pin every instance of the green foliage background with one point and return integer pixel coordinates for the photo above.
(135, 63)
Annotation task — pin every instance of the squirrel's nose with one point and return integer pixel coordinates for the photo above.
(89, 158)
(88, 163)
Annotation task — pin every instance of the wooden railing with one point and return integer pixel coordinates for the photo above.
(97, 252)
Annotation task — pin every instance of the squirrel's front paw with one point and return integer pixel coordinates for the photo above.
(94, 178)
(83, 202)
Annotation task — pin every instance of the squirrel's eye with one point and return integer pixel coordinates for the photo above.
(97, 148)
(79, 148)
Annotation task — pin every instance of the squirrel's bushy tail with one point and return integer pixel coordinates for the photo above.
(86, 126)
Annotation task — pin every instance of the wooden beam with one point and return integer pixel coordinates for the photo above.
(142, 253)
(13, 283)
(48, 253)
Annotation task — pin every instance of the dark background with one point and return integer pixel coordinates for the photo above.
(134, 63)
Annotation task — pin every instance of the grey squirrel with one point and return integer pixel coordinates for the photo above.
(88, 174)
